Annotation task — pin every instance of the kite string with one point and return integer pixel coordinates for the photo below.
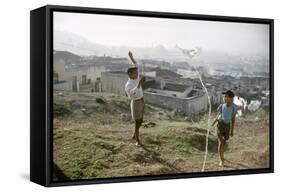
(142, 67)
(209, 116)
(209, 121)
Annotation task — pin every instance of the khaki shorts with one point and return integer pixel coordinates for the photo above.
(223, 130)
(137, 109)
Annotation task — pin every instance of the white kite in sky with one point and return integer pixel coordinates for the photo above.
(190, 52)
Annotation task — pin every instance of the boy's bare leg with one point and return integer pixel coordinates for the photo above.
(135, 130)
(136, 133)
(221, 151)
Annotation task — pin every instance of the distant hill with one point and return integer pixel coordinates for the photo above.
(66, 56)
(83, 47)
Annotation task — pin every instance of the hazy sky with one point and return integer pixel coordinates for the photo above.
(147, 32)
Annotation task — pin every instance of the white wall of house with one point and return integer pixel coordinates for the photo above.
(193, 105)
(66, 86)
(93, 72)
(114, 82)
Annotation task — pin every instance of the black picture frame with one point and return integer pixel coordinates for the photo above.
(41, 91)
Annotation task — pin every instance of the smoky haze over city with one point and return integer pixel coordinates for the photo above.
(222, 44)
(148, 32)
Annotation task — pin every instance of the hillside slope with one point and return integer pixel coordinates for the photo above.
(92, 139)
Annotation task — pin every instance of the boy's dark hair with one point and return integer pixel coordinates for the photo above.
(228, 93)
(131, 69)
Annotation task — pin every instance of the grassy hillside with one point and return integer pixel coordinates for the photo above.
(92, 138)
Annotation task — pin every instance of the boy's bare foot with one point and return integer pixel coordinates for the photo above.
(138, 143)
(221, 163)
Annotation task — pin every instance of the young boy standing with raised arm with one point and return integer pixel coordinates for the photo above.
(134, 91)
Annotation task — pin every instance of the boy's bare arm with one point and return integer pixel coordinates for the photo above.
(216, 120)
(232, 126)
(141, 82)
(132, 57)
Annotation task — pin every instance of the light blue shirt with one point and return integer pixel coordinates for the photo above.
(227, 113)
